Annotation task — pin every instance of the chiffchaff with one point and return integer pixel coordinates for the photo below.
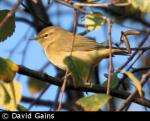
(57, 44)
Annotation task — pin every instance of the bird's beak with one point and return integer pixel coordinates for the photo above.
(34, 38)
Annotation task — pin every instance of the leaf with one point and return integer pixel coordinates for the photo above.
(35, 86)
(8, 70)
(114, 81)
(94, 21)
(91, 1)
(142, 5)
(9, 26)
(127, 10)
(78, 68)
(126, 42)
(94, 102)
(131, 32)
(135, 80)
(12, 101)
(21, 108)
(7, 97)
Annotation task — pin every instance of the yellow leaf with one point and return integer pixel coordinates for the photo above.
(126, 42)
(135, 80)
(94, 21)
(142, 5)
(94, 102)
(90, 1)
(8, 70)
(131, 32)
(10, 105)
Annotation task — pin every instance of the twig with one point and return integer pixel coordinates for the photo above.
(56, 99)
(71, 6)
(131, 96)
(139, 56)
(133, 71)
(110, 56)
(106, 4)
(124, 76)
(141, 69)
(131, 67)
(38, 98)
(42, 102)
(133, 55)
(36, 16)
(25, 20)
(62, 90)
(24, 37)
(95, 88)
(74, 30)
(72, 45)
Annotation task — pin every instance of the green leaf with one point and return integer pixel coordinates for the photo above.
(114, 81)
(78, 68)
(9, 27)
(94, 102)
(8, 70)
(9, 100)
(135, 80)
(35, 85)
(21, 108)
(94, 21)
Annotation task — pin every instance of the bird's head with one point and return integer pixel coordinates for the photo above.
(47, 35)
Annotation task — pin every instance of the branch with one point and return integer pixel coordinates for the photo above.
(111, 69)
(141, 69)
(42, 102)
(25, 20)
(140, 48)
(106, 4)
(96, 89)
(131, 96)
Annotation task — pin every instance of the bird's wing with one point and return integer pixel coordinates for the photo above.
(81, 44)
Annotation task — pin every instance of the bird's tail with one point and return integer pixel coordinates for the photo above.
(118, 51)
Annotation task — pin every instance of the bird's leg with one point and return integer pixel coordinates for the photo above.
(89, 81)
(74, 82)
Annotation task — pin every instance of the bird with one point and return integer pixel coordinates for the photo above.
(58, 45)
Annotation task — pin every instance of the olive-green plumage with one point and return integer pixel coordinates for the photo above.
(57, 44)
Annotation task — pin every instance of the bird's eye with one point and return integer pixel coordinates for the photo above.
(46, 35)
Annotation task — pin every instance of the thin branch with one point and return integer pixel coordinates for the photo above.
(62, 91)
(106, 4)
(124, 76)
(25, 20)
(38, 98)
(71, 6)
(42, 102)
(141, 69)
(110, 56)
(133, 55)
(96, 88)
(132, 95)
